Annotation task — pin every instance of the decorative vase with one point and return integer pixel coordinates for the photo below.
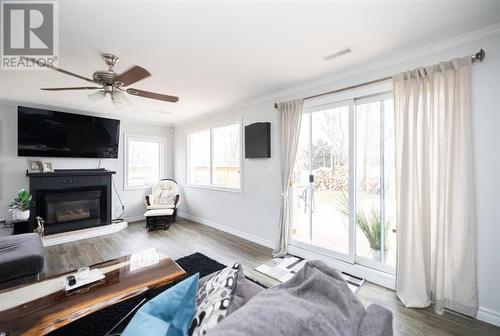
(21, 215)
(376, 254)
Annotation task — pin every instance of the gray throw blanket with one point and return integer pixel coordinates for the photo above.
(316, 301)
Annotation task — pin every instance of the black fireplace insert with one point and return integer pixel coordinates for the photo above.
(71, 209)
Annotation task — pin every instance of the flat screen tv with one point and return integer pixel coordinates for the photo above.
(258, 140)
(46, 133)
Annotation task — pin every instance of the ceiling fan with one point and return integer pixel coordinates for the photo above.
(109, 82)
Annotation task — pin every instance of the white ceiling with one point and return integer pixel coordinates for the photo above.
(216, 54)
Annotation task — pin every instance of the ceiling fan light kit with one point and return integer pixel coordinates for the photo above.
(111, 83)
(97, 96)
(119, 99)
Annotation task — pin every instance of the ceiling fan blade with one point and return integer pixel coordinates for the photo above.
(34, 60)
(73, 88)
(132, 75)
(152, 95)
(97, 96)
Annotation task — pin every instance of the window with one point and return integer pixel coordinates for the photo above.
(344, 181)
(143, 161)
(226, 156)
(214, 157)
(199, 157)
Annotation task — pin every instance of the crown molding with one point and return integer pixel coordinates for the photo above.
(314, 86)
(399, 58)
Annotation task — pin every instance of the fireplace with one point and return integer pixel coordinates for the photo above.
(84, 207)
(71, 199)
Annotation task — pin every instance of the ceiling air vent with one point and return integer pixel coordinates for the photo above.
(338, 54)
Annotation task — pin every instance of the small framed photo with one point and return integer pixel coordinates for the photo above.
(35, 166)
(47, 167)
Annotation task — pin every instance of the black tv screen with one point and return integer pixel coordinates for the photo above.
(258, 140)
(48, 133)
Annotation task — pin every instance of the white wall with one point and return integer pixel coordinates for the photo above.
(252, 212)
(237, 213)
(13, 168)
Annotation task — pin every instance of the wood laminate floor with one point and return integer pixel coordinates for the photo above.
(186, 237)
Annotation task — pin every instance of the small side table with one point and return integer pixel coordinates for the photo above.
(17, 227)
(5, 230)
(21, 227)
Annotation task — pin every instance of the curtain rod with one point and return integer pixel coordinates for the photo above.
(477, 57)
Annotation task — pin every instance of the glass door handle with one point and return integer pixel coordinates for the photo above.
(311, 188)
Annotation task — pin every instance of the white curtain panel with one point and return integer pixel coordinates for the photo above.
(436, 257)
(290, 116)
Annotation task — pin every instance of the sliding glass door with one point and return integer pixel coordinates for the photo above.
(321, 177)
(343, 182)
(375, 179)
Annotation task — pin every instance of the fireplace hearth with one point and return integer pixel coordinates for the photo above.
(71, 199)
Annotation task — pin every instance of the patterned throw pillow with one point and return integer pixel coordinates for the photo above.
(213, 299)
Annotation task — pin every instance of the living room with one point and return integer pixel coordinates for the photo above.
(254, 167)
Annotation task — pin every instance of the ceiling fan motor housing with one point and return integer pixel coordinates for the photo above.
(104, 77)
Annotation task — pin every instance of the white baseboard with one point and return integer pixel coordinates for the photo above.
(66, 237)
(488, 315)
(135, 218)
(227, 229)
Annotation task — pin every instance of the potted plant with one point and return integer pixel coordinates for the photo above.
(370, 224)
(21, 205)
(371, 227)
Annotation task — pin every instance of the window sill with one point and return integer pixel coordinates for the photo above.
(210, 187)
(127, 188)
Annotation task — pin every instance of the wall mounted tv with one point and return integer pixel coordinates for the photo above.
(48, 133)
(258, 140)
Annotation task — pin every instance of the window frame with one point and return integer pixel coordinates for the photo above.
(210, 128)
(351, 98)
(146, 138)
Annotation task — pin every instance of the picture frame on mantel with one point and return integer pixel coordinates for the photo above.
(47, 167)
(34, 166)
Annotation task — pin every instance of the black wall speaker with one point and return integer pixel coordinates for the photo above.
(258, 140)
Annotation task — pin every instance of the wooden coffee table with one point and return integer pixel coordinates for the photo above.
(43, 306)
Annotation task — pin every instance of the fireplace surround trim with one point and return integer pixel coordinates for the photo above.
(70, 179)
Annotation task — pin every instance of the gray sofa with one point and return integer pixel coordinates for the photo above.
(22, 258)
(316, 301)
